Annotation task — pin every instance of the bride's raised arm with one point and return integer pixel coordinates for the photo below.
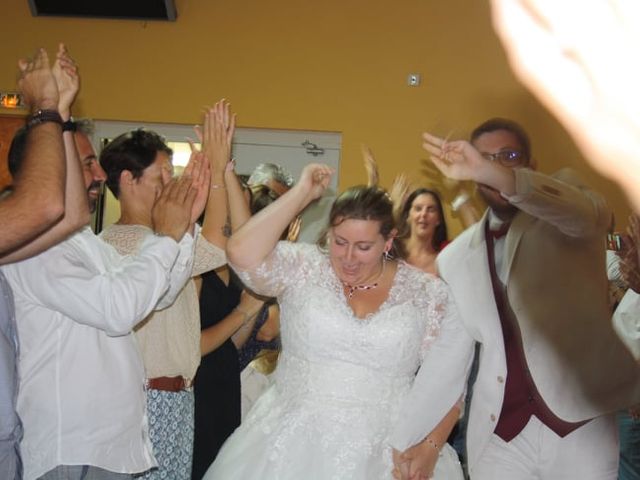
(257, 238)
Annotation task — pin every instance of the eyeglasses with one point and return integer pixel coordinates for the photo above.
(507, 158)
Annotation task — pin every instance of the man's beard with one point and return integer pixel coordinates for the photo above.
(93, 202)
(500, 206)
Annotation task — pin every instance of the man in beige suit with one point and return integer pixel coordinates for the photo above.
(530, 284)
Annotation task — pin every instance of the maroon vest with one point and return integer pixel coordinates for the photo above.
(521, 397)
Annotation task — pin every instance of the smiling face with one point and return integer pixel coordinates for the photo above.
(92, 172)
(424, 216)
(356, 248)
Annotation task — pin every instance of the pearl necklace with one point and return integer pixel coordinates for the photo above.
(352, 289)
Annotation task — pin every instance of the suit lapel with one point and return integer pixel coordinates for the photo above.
(479, 281)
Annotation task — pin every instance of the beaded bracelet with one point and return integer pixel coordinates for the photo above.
(433, 444)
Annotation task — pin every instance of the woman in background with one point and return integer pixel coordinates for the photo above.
(423, 229)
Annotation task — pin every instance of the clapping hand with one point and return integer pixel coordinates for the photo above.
(198, 170)
(217, 136)
(171, 212)
(37, 83)
(65, 71)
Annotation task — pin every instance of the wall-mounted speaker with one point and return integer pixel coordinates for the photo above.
(132, 9)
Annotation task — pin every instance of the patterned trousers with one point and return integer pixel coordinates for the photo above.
(171, 433)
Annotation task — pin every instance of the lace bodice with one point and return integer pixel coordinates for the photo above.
(318, 324)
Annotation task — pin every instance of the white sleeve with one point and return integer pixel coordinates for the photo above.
(207, 256)
(561, 200)
(181, 270)
(441, 380)
(112, 293)
(626, 322)
(284, 266)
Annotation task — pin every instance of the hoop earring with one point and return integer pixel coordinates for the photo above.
(386, 255)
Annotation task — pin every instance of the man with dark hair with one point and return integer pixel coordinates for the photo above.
(81, 396)
(81, 130)
(29, 214)
(530, 283)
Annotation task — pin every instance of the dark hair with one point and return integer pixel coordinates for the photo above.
(133, 151)
(362, 203)
(495, 124)
(440, 235)
(16, 150)
(19, 143)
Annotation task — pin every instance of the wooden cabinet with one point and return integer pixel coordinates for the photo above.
(9, 124)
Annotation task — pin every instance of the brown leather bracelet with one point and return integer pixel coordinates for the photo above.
(44, 116)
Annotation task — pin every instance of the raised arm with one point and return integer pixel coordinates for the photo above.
(76, 213)
(217, 134)
(239, 211)
(37, 200)
(459, 160)
(255, 240)
(94, 296)
(561, 200)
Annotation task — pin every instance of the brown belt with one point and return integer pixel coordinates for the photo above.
(169, 384)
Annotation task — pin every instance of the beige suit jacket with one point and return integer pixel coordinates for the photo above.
(557, 288)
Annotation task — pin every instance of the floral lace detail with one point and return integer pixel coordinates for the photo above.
(207, 256)
(126, 239)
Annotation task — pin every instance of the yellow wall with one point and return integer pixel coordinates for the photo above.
(335, 65)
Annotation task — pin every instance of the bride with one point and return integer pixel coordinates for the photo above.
(356, 326)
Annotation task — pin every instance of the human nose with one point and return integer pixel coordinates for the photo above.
(97, 172)
(350, 253)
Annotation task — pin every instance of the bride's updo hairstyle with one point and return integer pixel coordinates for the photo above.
(361, 203)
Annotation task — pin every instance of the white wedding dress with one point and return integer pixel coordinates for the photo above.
(340, 379)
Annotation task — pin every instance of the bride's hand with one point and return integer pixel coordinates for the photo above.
(400, 466)
(421, 459)
(315, 179)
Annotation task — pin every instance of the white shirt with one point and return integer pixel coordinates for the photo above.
(626, 322)
(82, 398)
